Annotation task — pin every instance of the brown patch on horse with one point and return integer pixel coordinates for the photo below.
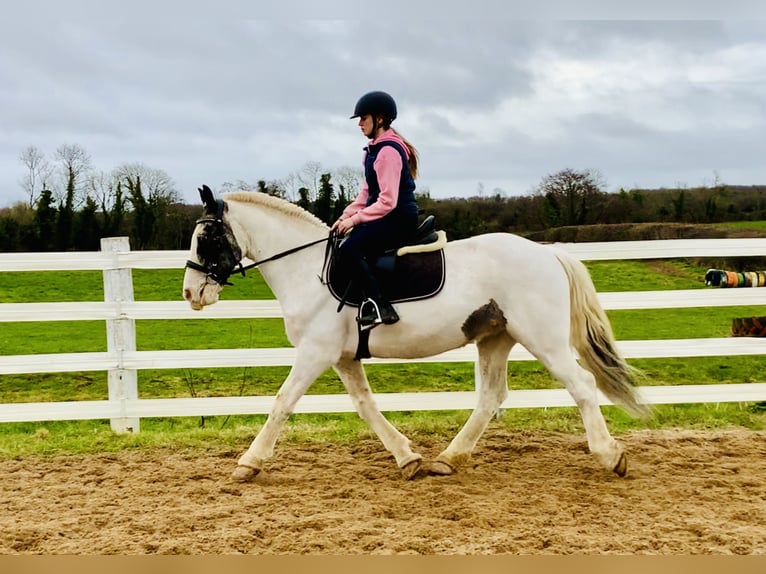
(487, 320)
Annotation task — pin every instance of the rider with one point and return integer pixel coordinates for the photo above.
(384, 214)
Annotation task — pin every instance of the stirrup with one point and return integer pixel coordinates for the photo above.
(368, 321)
(380, 313)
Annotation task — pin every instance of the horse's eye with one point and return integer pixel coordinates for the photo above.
(206, 245)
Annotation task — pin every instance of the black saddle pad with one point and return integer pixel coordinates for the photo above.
(415, 276)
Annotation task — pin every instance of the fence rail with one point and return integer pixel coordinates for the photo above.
(122, 361)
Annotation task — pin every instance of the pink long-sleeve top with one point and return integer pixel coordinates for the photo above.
(388, 168)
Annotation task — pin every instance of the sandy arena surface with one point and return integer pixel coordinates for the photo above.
(687, 492)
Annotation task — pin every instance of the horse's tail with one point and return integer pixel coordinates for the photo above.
(593, 339)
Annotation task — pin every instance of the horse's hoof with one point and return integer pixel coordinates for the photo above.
(410, 469)
(244, 473)
(621, 468)
(441, 468)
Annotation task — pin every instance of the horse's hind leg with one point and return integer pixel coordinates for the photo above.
(493, 390)
(354, 379)
(581, 384)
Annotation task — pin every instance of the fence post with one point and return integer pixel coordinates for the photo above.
(120, 333)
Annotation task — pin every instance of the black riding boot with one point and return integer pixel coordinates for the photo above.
(374, 309)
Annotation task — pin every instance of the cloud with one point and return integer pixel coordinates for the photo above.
(502, 102)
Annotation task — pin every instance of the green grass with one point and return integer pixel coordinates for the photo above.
(148, 285)
(760, 225)
(649, 275)
(90, 336)
(236, 432)
(153, 285)
(690, 323)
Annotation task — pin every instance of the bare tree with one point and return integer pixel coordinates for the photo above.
(572, 197)
(156, 184)
(272, 187)
(290, 184)
(105, 192)
(350, 178)
(239, 185)
(38, 175)
(100, 186)
(309, 176)
(226, 187)
(74, 165)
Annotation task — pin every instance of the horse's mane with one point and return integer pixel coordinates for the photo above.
(276, 203)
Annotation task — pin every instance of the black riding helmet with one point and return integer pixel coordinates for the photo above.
(376, 104)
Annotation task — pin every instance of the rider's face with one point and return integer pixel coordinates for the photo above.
(367, 125)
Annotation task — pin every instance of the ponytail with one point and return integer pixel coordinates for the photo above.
(412, 160)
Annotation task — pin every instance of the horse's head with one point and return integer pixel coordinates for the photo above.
(214, 254)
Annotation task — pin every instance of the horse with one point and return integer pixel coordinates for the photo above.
(500, 289)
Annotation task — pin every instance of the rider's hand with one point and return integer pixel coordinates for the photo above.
(343, 225)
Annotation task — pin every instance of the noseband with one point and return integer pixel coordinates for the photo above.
(215, 271)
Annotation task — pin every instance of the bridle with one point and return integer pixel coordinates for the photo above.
(219, 274)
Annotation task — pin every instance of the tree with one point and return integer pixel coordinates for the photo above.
(143, 218)
(18, 231)
(87, 231)
(719, 190)
(572, 197)
(239, 185)
(105, 191)
(65, 219)
(303, 198)
(350, 179)
(618, 208)
(309, 178)
(156, 184)
(38, 175)
(45, 219)
(151, 193)
(290, 184)
(74, 165)
(679, 205)
(10, 239)
(323, 206)
(102, 187)
(274, 188)
(341, 201)
(116, 214)
(349, 183)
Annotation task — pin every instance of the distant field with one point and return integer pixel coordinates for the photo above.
(745, 224)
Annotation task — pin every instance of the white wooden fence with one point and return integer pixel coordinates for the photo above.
(123, 361)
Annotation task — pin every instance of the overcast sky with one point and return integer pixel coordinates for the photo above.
(496, 104)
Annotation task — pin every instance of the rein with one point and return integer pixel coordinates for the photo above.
(243, 268)
(222, 278)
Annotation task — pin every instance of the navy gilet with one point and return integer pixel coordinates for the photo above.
(406, 202)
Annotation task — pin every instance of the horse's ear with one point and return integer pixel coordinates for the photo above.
(207, 197)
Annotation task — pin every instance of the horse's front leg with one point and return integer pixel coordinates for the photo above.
(308, 366)
(355, 380)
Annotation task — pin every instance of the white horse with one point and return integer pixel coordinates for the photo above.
(500, 289)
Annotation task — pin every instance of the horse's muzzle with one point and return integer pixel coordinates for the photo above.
(199, 291)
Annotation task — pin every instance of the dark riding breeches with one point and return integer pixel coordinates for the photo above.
(373, 238)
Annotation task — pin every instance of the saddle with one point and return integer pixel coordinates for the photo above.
(409, 273)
